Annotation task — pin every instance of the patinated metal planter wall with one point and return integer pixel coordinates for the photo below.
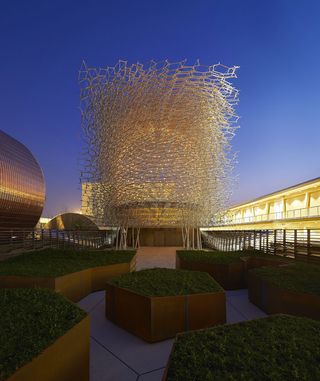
(255, 262)
(231, 276)
(74, 286)
(158, 318)
(273, 299)
(101, 274)
(67, 359)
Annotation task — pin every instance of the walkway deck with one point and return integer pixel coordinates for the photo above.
(116, 355)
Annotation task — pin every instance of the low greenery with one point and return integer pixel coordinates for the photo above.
(167, 282)
(301, 277)
(221, 257)
(31, 320)
(58, 262)
(275, 348)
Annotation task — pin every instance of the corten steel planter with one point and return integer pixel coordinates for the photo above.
(161, 317)
(67, 359)
(101, 274)
(231, 276)
(255, 262)
(273, 299)
(73, 286)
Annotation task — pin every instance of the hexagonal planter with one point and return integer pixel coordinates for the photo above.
(75, 285)
(274, 298)
(100, 275)
(155, 318)
(256, 262)
(248, 350)
(231, 275)
(62, 356)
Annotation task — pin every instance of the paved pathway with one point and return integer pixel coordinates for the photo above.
(116, 355)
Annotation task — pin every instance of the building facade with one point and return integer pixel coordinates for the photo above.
(22, 187)
(295, 207)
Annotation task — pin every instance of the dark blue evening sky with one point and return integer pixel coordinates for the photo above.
(276, 43)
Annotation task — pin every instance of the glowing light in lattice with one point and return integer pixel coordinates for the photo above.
(157, 142)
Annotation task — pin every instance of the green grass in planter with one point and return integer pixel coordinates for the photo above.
(167, 282)
(275, 348)
(31, 320)
(58, 262)
(221, 257)
(301, 277)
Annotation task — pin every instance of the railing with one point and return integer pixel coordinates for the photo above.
(12, 241)
(301, 244)
(289, 214)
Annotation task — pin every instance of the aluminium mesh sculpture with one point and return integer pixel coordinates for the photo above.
(157, 143)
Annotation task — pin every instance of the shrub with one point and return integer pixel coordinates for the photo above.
(58, 262)
(167, 282)
(31, 320)
(301, 277)
(221, 257)
(270, 349)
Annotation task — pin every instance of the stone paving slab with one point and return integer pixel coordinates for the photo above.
(240, 302)
(105, 367)
(117, 355)
(233, 315)
(136, 353)
(91, 301)
(152, 376)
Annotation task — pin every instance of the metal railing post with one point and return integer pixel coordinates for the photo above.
(260, 239)
(33, 239)
(295, 242)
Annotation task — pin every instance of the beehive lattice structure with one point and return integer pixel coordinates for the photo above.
(157, 147)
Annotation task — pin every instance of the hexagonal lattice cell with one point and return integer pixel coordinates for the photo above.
(157, 142)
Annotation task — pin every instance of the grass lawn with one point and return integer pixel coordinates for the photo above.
(221, 257)
(58, 262)
(275, 348)
(31, 320)
(167, 282)
(301, 277)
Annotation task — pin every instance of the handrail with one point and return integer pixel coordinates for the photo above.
(289, 214)
(17, 240)
(301, 244)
